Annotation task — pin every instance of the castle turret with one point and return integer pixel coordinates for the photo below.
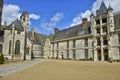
(92, 22)
(110, 19)
(24, 19)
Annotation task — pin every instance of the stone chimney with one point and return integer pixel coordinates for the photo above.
(84, 22)
(5, 25)
(56, 30)
(97, 12)
(33, 33)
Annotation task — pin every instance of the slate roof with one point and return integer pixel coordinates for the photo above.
(18, 25)
(39, 38)
(74, 31)
(103, 8)
(117, 20)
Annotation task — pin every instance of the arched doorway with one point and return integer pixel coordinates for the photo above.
(17, 47)
(1, 48)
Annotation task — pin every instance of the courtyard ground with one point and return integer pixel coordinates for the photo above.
(68, 70)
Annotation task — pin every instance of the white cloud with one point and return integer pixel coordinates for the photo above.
(12, 12)
(96, 5)
(53, 22)
(113, 3)
(78, 18)
(34, 16)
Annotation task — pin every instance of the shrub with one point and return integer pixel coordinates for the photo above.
(2, 60)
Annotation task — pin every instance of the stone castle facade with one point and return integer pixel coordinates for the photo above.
(97, 39)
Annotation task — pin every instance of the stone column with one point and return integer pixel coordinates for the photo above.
(95, 55)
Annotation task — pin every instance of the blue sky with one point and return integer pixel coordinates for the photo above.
(47, 14)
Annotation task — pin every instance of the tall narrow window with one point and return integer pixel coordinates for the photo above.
(73, 43)
(98, 42)
(1, 48)
(17, 47)
(86, 53)
(105, 41)
(86, 42)
(98, 30)
(10, 47)
(119, 38)
(67, 44)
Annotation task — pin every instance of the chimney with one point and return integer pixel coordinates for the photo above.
(84, 22)
(97, 12)
(56, 30)
(5, 25)
(33, 33)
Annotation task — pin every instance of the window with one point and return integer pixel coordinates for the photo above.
(10, 47)
(111, 21)
(97, 22)
(18, 32)
(104, 29)
(86, 42)
(119, 38)
(98, 30)
(57, 45)
(104, 20)
(86, 53)
(1, 46)
(67, 44)
(111, 26)
(17, 47)
(105, 41)
(98, 42)
(73, 43)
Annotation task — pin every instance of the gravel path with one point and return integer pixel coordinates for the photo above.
(11, 69)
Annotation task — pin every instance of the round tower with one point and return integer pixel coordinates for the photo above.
(110, 19)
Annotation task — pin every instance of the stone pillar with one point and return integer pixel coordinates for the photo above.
(95, 55)
(102, 52)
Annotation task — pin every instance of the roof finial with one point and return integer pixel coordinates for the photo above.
(110, 8)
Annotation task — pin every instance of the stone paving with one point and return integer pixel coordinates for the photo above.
(11, 69)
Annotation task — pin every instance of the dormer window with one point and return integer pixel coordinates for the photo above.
(18, 32)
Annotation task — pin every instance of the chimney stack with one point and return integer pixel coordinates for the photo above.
(33, 33)
(5, 25)
(97, 12)
(56, 30)
(84, 22)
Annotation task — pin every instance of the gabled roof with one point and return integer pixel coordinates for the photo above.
(103, 8)
(74, 31)
(38, 38)
(117, 20)
(18, 25)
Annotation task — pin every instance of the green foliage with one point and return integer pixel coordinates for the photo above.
(2, 60)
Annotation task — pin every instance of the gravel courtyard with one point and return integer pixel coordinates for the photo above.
(68, 70)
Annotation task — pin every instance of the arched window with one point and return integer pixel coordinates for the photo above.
(1, 48)
(10, 47)
(17, 47)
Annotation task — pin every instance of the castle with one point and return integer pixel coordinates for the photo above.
(97, 39)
